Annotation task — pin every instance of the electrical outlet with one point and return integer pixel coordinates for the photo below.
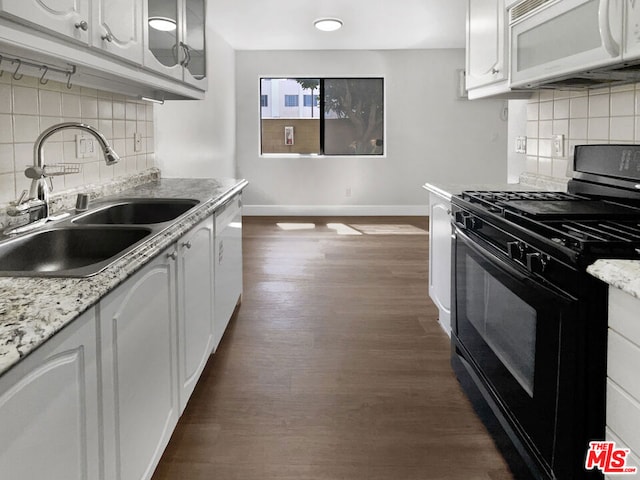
(521, 144)
(85, 146)
(557, 146)
(137, 142)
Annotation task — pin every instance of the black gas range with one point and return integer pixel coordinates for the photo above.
(529, 325)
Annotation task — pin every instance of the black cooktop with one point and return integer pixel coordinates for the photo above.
(574, 209)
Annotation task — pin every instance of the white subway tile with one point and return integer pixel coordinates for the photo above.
(130, 111)
(546, 111)
(106, 171)
(532, 129)
(559, 167)
(561, 127)
(120, 169)
(46, 122)
(622, 103)
(105, 109)
(7, 187)
(26, 128)
(91, 172)
(119, 129)
(141, 112)
(89, 107)
(545, 129)
(579, 107)
(6, 158)
(50, 103)
(130, 128)
(149, 115)
(561, 109)
(598, 128)
(141, 162)
(544, 147)
(106, 128)
(71, 105)
(578, 128)
(23, 156)
(599, 105)
(130, 164)
(25, 100)
(531, 164)
(622, 128)
(544, 166)
(546, 95)
(118, 110)
(5, 98)
(6, 129)
(149, 129)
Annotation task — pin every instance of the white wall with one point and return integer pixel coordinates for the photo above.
(432, 136)
(197, 138)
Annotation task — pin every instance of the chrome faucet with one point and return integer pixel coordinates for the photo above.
(37, 203)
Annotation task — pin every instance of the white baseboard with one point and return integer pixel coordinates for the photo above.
(335, 210)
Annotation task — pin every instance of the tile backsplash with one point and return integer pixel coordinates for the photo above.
(607, 115)
(28, 107)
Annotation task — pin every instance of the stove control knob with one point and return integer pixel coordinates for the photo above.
(537, 262)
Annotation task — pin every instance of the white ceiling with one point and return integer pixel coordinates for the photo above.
(368, 24)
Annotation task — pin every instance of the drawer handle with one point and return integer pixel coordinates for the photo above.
(187, 244)
(172, 256)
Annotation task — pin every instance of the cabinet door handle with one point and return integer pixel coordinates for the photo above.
(172, 256)
(187, 244)
(83, 25)
(495, 70)
(107, 37)
(187, 54)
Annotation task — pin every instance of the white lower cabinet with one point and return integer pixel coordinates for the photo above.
(623, 375)
(440, 257)
(195, 305)
(228, 266)
(49, 409)
(139, 374)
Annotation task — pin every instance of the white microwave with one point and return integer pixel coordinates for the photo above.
(574, 43)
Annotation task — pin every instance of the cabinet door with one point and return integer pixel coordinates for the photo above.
(631, 31)
(69, 18)
(139, 370)
(162, 30)
(486, 47)
(117, 28)
(440, 258)
(49, 409)
(193, 38)
(228, 268)
(195, 294)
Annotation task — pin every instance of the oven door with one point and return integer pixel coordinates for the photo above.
(508, 327)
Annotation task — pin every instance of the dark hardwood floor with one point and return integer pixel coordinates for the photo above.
(335, 366)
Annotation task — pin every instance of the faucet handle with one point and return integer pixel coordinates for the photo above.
(20, 198)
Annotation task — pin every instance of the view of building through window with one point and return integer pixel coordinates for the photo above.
(322, 116)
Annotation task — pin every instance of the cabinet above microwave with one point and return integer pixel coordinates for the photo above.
(573, 43)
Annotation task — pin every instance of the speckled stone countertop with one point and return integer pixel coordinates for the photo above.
(34, 309)
(622, 274)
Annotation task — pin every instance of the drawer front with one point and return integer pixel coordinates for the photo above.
(623, 359)
(623, 416)
(623, 314)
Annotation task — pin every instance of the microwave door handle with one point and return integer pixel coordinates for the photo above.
(610, 45)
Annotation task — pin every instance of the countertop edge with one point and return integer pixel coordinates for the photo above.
(618, 273)
(20, 335)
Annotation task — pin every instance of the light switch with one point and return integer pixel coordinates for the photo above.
(521, 144)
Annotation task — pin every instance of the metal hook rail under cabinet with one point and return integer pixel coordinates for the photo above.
(40, 69)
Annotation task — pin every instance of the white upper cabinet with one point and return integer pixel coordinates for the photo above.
(117, 28)
(69, 18)
(176, 40)
(632, 31)
(486, 46)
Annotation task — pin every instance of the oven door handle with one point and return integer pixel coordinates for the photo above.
(521, 276)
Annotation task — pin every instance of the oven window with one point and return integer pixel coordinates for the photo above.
(505, 322)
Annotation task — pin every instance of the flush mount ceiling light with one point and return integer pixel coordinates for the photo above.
(328, 24)
(164, 24)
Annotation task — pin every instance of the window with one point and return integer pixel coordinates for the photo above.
(264, 100)
(310, 101)
(291, 100)
(339, 116)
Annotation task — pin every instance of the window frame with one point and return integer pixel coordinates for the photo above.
(384, 153)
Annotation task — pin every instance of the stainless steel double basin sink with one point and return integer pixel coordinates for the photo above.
(84, 244)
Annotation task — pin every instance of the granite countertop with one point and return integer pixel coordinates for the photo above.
(33, 309)
(619, 273)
